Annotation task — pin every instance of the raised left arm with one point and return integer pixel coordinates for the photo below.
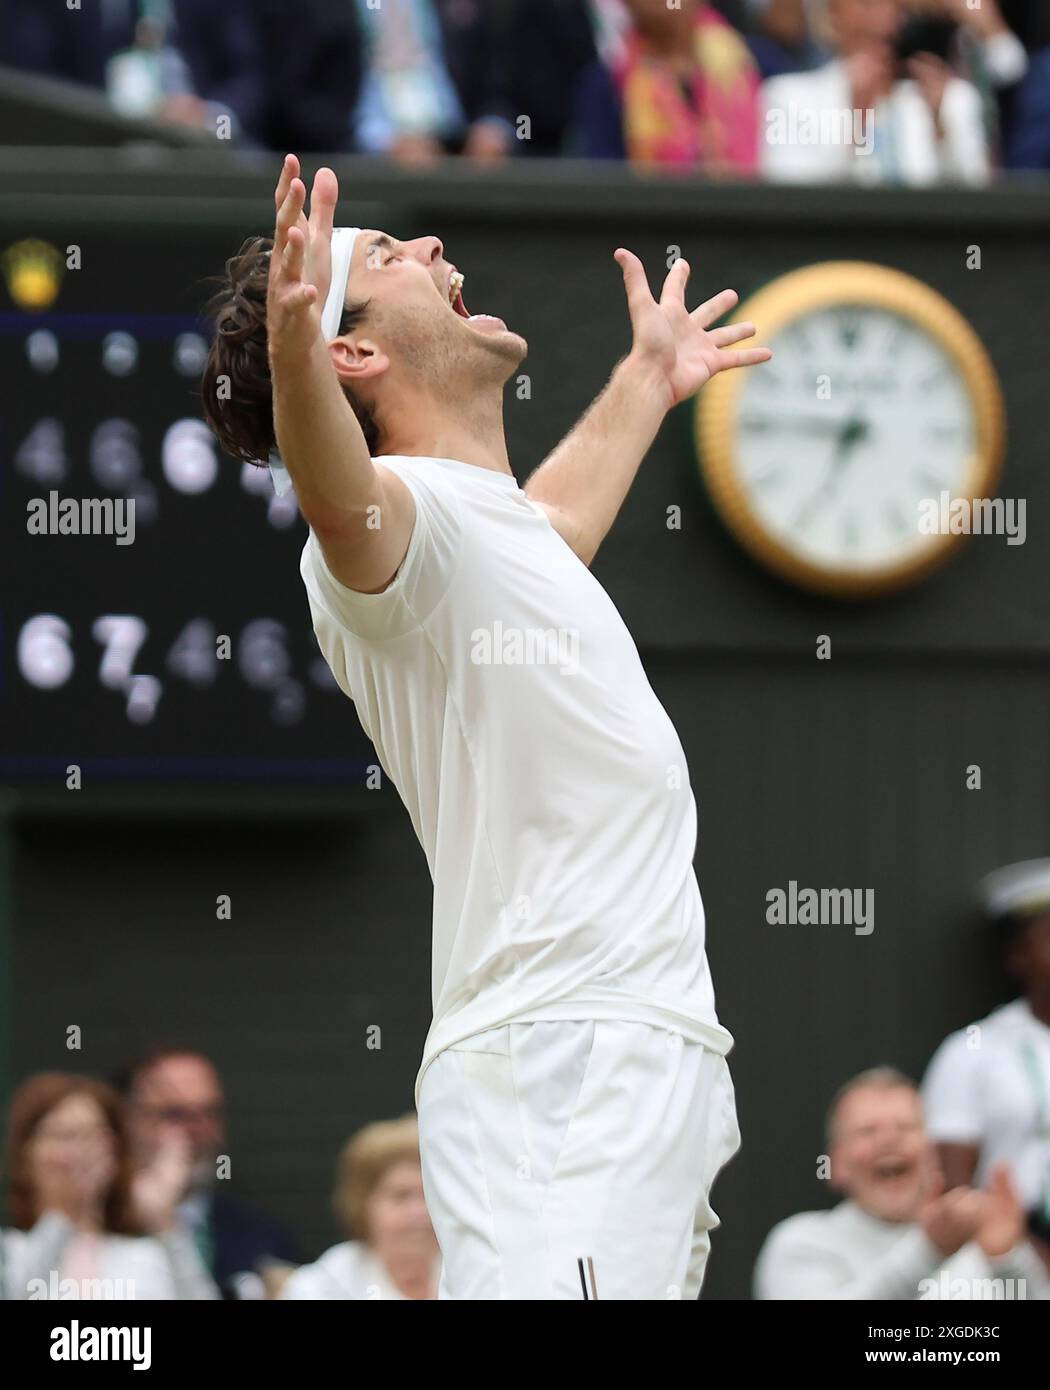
(583, 483)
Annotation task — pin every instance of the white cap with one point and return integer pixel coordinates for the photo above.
(1017, 889)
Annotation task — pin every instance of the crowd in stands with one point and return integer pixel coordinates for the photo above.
(913, 92)
(945, 1191)
(118, 1191)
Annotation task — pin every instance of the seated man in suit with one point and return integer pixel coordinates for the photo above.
(176, 1111)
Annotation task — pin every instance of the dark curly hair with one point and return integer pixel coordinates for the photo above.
(241, 413)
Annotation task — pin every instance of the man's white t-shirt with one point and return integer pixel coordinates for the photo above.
(989, 1085)
(508, 704)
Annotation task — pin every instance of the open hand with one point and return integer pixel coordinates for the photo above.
(675, 341)
(301, 261)
(931, 75)
(1003, 1223)
(159, 1187)
(953, 1218)
(871, 76)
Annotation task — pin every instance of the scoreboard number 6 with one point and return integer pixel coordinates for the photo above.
(45, 657)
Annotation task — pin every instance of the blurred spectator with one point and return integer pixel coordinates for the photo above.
(896, 90)
(1028, 141)
(551, 43)
(434, 81)
(476, 39)
(123, 47)
(785, 21)
(682, 93)
(278, 86)
(56, 41)
(985, 39)
(289, 75)
(980, 46)
(146, 77)
(1018, 104)
(783, 39)
(876, 112)
(378, 1200)
(987, 1089)
(898, 1234)
(177, 1113)
(77, 1232)
(986, 44)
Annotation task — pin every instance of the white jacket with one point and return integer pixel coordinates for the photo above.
(811, 134)
(139, 1268)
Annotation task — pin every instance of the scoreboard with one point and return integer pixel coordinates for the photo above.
(179, 646)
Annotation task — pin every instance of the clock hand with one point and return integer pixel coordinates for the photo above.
(812, 424)
(851, 433)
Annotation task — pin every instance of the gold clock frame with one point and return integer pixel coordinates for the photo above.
(805, 291)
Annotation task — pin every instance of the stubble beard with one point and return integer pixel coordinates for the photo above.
(460, 369)
(448, 358)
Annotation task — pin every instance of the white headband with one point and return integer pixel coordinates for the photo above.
(343, 239)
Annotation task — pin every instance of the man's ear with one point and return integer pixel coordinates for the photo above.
(357, 359)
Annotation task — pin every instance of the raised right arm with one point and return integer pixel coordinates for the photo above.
(361, 515)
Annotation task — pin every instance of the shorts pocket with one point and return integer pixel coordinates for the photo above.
(495, 1040)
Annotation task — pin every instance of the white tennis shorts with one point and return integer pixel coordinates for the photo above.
(563, 1155)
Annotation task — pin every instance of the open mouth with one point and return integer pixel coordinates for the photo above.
(483, 322)
(455, 294)
(892, 1169)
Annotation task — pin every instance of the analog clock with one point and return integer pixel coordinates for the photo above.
(836, 463)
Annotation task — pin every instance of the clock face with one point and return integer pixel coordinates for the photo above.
(879, 408)
(860, 418)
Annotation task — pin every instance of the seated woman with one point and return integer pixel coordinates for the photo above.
(76, 1231)
(682, 92)
(379, 1201)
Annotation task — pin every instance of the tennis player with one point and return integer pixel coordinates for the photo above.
(574, 1099)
